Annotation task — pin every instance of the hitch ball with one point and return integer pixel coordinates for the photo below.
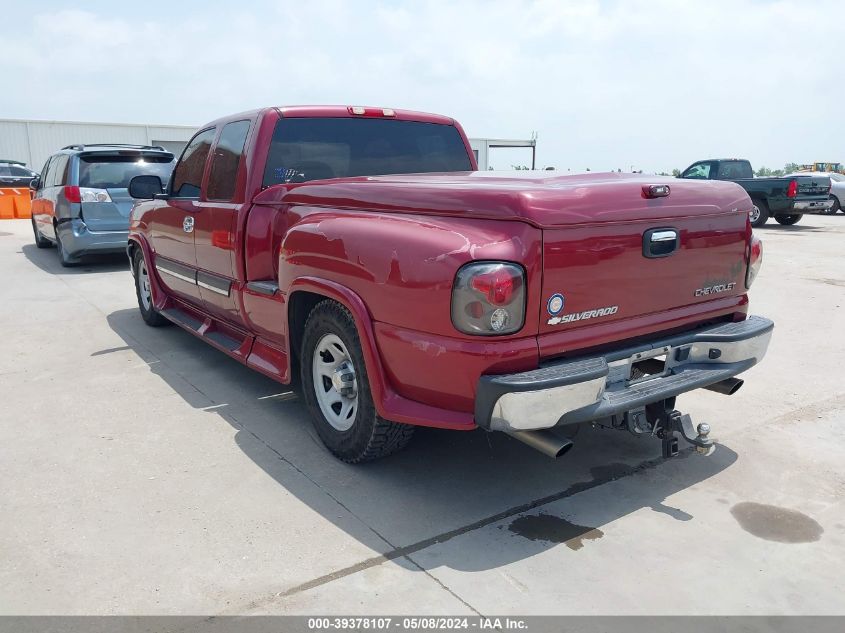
(703, 431)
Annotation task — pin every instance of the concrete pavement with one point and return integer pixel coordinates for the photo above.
(146, 473)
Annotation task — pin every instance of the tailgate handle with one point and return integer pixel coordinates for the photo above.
(660, 242)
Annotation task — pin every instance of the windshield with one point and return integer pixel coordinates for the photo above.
(837, 177)
(318, 148)
(115, 172)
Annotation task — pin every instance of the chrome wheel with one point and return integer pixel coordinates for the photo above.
(144, 285)
(334, 382)
(754, 214)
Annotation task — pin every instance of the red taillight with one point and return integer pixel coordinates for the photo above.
(792, 189)
(488, 298)
(72, 193)
(497, 286)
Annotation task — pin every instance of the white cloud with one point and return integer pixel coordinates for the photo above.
(651, 83)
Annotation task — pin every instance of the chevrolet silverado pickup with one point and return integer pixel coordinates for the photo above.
(360, 250)
(785, 199)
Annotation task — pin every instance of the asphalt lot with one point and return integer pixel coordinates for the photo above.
(146, 473)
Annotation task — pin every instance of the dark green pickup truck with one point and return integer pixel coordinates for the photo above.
(785, 199)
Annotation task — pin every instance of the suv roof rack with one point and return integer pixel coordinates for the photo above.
(80, 146)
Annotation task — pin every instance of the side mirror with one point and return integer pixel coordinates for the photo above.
(35, 183)
(145, 187)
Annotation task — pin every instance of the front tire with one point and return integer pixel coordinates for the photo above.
(337, 389)
(788, 220)
(759, 213)
(144, 293)
(40, 240)
(836, 206)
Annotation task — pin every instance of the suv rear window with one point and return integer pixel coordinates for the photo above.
(102, 171)
(15, 171)
(317, 148)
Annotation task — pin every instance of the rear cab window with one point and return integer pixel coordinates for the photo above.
(734, 170)
(188, 173)
(114, 171)
(304, 149)
(222, 180)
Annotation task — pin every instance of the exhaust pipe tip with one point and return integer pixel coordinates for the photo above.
(728, 386)
(544, 441)
(567, 446)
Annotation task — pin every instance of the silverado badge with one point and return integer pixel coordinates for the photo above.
(586, 314)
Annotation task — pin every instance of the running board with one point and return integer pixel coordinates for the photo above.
(256, 353)
(220, 336)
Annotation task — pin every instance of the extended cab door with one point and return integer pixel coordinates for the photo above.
(172, 222)
(215, 225)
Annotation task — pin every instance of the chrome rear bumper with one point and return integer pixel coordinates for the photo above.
(817, 205)
(580, 390)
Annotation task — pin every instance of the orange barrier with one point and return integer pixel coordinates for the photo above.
(15, 202)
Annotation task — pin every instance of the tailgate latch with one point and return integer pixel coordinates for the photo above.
(660, 242)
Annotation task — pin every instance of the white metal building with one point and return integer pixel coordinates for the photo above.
(33, 142)
(481, 148)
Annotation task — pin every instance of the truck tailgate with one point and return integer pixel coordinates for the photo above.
(813, 186)
(599, 273)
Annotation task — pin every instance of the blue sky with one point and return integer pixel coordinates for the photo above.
(654, 84)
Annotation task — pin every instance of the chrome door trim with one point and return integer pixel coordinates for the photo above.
(174, 269)
(214, 283)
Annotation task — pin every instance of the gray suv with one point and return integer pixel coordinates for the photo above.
(81, 199)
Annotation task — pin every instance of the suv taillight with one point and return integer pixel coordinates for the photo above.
(755, 260)
(86, 194)
(94, 195)
(72, 193)
(792, 189)
(488, 298)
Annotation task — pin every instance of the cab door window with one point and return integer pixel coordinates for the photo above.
(699, 171)
(187, 176)
(222, 180)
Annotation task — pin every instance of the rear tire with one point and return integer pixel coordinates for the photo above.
(40, 240)
(788, 220)
(144, 293)
(65, 259)
(759, 214)
(337, 389)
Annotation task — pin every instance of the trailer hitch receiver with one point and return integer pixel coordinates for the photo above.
(677, 422)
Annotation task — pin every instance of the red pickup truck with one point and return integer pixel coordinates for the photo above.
(360, 250)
